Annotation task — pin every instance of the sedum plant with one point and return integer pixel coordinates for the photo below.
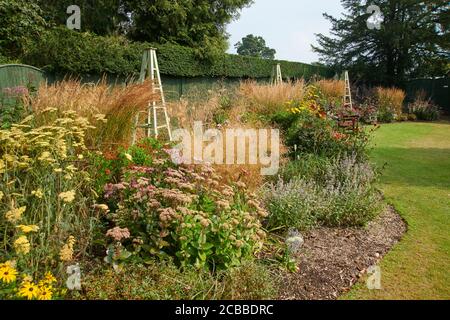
(184, 213)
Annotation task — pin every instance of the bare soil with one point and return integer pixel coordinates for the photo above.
(333, 259)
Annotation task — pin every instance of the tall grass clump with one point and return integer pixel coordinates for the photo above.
(112, 109)
(267, 99)
(344, 195)
(390, 103)
(332, 91)
(423, 108)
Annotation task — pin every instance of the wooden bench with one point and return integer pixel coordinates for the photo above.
(349, 123)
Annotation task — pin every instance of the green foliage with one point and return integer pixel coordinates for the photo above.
(412, 41)
(311, 134)
(331, 192)
(254, 47)
(20, 22)
(180, 212)
(102, 17)
(197, 24)
(65, 51)
(162, 280)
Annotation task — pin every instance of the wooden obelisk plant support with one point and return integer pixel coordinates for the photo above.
(348, 122)
(150, 69)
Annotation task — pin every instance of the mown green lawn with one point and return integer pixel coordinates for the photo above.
(416, 180)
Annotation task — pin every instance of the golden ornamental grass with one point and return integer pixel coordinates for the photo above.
(267, 98)
(333, 90)
(111, 109)
(390, 99)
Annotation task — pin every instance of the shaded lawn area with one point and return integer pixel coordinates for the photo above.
(416, 180)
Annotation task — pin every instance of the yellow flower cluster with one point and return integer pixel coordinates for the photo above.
(15, 214)
(66, 252)
(8, 273)
(43, 290)
(22, 245)
(68, 196)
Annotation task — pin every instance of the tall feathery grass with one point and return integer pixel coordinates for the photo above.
(267, 99)
(390, 99)
(111, 109)
(332, 90)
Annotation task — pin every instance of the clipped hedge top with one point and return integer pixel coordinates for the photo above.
(69, 52)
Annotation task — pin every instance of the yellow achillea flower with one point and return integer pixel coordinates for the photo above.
(8, 274)
(38, 193)
(66, 252)
(28, 228)
(27, 278)
(1, 195)
(22, 245)
(28, 290)
(15, 214)
(46, 157)
(68, 196)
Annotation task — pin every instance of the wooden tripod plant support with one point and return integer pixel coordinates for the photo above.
(348, 122)
(150, 69)
(278, 79)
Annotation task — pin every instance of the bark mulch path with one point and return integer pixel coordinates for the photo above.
(332, 259)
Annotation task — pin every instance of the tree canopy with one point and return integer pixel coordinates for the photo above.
(20, 22)
(413, 41)
(254, 46)
(200, 24)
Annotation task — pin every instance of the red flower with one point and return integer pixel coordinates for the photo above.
(338, 136)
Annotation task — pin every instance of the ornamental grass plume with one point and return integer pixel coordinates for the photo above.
(268, 99)
(110, 108)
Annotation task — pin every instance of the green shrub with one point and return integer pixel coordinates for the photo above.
(162, 280)
(340, 193)
(64, 51)
(312, 134)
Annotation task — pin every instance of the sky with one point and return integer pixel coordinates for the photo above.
(288, 26)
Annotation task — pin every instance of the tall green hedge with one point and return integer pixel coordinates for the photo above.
(64, 51)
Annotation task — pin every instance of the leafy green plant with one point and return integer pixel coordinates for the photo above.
(182, 212)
